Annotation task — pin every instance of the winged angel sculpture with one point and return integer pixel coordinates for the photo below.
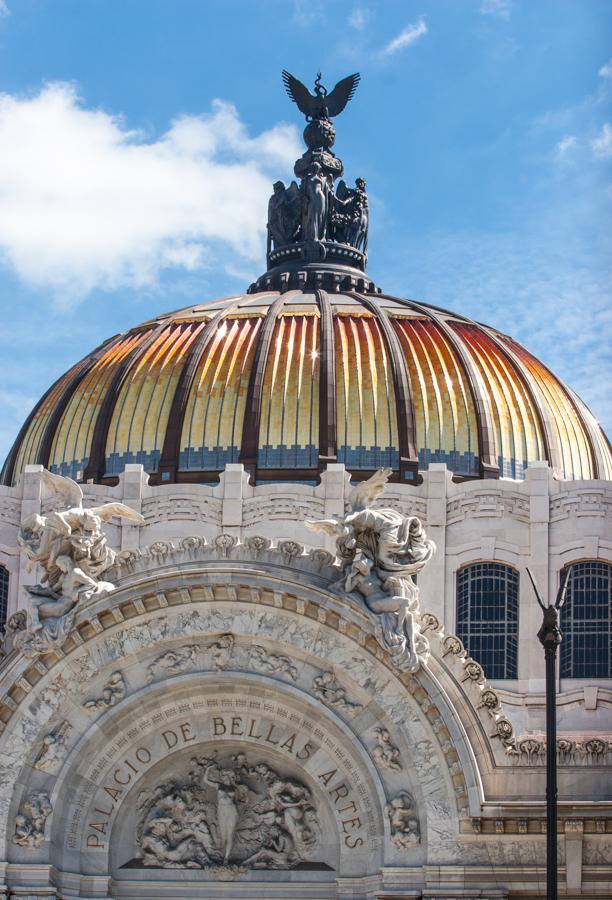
(70, 546)
(381, 551)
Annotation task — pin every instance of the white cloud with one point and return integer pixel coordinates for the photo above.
(4, 10)
(86, 203)
(405, 38)
(606, 71)
(565, 146)
(602, 145)
(358, 18)
(500, 8)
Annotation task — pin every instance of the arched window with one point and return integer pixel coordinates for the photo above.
(487, 616)
(586, 622)
(4, 586)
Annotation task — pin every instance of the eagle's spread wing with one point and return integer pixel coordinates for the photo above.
(65, 489)
(366, 492)
(341, 94)
(326, 526)
(299, 93)
(108, 510)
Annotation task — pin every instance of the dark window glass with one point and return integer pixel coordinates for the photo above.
(4, 583)
(487, 616)
(586, 622)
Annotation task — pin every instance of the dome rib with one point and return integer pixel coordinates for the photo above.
(408, 456)
(172, 439)
(252, 416)
(46, 443)
(96, 466)
(7, 476)
(487, 441)
(328, 425)
(400, 384)
(550, 442)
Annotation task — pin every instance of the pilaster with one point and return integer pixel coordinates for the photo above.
(531, 659)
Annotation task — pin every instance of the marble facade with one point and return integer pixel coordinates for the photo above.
(225, 673)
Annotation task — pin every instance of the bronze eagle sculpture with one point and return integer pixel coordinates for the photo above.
(321, 104)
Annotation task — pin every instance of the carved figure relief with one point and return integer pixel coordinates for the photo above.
(30, 823)
(54, 747)
(380, 551)
(264, 661)
(329, 691)
(221, 651)
(71, 548)
(228, 813)
(403, 821)
(114, 690)
(173, 662)
(16, 624)
(385, 752)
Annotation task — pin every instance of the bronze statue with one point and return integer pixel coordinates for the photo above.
(320, 105)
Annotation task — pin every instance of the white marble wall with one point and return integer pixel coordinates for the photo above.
(480, 801)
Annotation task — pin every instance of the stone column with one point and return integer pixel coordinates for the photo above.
(336, 485)
(134, 482)
(574, 830)
(432, 579)
(233, 479)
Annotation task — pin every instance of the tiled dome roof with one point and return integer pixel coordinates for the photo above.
(286, 382)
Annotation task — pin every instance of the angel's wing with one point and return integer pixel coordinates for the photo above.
(299, 93)
(343, 192)
(326, 526)
(366, 492)
(108, 510)
(341, 94)
(65, 489)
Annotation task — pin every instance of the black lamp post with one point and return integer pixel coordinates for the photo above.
(550, 637)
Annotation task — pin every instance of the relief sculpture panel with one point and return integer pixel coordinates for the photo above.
(228, 811)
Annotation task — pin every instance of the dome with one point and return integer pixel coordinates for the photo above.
(314, 364)
(287, 381)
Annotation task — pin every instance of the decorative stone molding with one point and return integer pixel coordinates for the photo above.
(586, 502)
(531, 751)
(489, 504)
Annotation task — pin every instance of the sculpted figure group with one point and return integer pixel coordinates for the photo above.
(69, 545)
(381, 551)
(313, 212)
(227, 814)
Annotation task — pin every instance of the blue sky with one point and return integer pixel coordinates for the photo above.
(139, 140)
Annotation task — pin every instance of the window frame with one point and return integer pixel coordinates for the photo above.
(505, 631)
(567, 651)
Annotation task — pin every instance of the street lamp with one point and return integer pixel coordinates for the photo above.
(550, 637)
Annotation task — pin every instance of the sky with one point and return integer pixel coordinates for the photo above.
(139, 141)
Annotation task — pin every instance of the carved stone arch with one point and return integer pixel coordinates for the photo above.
(251, 714)
(434, 716)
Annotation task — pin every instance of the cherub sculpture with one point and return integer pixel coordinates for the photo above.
(380, 551)
(70, 546)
